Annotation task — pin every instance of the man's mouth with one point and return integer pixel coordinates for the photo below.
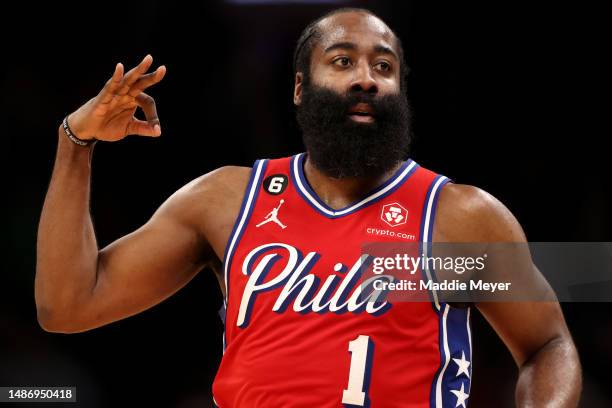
(362, 112)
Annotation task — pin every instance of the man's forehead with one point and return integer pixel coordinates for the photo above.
(356, 27)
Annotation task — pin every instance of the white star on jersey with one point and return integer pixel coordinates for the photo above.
(461, 396)
(463, 365)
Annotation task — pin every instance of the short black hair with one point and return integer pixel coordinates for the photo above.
(312, 33)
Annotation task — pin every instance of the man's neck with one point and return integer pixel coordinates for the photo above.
(340, 193)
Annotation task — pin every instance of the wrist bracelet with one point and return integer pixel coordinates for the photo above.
(73, 138)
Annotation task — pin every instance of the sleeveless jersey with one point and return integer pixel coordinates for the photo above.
(300, 332)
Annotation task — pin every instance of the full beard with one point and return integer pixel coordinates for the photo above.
(341, 147)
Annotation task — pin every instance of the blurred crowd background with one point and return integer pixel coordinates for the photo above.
(507, 96)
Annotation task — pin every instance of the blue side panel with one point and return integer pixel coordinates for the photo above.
(457, 377)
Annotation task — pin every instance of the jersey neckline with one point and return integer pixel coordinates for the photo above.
(308, 194)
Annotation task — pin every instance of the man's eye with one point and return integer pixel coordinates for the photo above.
(383, 66)
(342, 61)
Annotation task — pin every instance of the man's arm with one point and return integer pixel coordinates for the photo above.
(79, 287)
(534, 332)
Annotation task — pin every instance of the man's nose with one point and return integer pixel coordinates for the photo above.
(363, 79)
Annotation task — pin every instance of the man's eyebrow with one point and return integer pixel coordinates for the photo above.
(383, 49)
(379, 48)
(341, 45)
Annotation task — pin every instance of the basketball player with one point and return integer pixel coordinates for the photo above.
(284, 239)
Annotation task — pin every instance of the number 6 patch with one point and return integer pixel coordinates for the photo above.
(275, 184)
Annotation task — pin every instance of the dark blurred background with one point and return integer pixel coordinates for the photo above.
(507, 96)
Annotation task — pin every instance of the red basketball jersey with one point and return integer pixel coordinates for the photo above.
(300, 331)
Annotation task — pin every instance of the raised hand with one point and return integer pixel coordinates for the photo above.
(110, 116)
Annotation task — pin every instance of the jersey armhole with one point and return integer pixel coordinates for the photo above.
(428, 216)
(454, 323)
(246, 208)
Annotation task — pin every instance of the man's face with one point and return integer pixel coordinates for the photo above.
(354, 118)
(356, 52)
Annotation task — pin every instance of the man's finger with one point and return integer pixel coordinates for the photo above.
(135, 73)
(109, 89)
(147, 104)
(142, 128)
(147, 80)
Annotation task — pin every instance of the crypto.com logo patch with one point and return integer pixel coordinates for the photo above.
(394, 214)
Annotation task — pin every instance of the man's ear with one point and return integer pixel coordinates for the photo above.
(297, 90)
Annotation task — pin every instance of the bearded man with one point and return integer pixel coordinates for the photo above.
(285, 237)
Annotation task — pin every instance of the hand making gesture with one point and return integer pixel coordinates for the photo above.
(109, 116)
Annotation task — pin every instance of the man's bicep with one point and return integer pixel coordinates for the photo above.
(186, 233)
(528, 316)
(148, 265)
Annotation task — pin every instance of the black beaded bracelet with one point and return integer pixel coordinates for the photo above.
(73, 138)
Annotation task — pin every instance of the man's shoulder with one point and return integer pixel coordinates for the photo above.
(210, 204)
(218, 192)
(221, 182)
(467, 213)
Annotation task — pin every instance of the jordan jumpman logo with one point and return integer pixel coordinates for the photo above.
(273, 216)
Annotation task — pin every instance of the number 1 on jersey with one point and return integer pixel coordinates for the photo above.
(359, 349)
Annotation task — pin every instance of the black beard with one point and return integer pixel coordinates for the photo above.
(340, 147)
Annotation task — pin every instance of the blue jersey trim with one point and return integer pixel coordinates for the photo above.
(455, 342)
(428, 216)
(389, 186)
(246, 208)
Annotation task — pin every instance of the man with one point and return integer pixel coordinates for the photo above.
(298, 332)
